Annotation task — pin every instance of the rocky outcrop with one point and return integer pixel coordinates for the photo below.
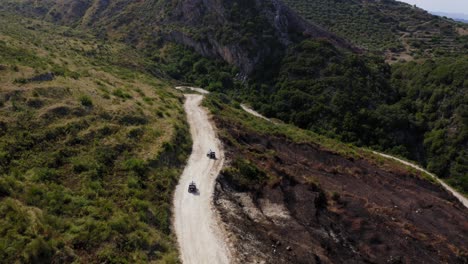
(232, 54)
(286, 26)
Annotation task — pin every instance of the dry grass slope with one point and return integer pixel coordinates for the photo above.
(87, 149)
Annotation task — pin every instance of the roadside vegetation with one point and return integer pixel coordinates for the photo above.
(91, 148)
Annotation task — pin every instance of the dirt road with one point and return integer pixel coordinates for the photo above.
(200, 238)
(454, 192)
(194, 89)
(253, 112)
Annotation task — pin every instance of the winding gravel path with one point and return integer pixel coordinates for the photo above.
(199, 234)
(254, 113)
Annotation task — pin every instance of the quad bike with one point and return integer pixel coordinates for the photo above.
(211, 154)
(192, 188)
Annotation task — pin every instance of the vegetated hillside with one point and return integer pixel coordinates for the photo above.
(336, 93)
(435, 99)
(187, 66)
(290, 196)
(416, 110)
(110, 198)
(316, 84)
(243, 33)
(401, 30)
(296, 71)
(319, 87)
(87, 149)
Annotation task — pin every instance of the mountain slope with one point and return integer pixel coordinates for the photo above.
(92, 142)
(292, 69)
(87, 157)
(415, 110)
(243, 33)
(435, 96)
(290, 196)
(399, 29)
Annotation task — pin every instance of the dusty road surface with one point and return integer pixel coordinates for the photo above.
(195, 89)
(200, 237)
(454, 192)
(253, 112)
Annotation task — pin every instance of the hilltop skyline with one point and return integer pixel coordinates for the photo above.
(446, 6)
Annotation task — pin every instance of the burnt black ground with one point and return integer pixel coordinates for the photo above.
(340, 210)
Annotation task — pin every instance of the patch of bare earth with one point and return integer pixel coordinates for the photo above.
(462, 31)
(320, 207)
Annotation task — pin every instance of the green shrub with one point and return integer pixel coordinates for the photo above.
(136, 165)
(86, 101)
(121, 224)
(44, 175)
(137, 240)
(135, 133)
(244, 175)
(81, 164)
(120, 93)
(38, 251)
(133, 120)
(5, 188)
(34, 195)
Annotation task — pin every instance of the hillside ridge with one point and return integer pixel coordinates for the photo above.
(190, 23)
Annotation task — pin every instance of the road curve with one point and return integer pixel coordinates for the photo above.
(200, 237)
(451, 190)
(194, 89)
(253, 112)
